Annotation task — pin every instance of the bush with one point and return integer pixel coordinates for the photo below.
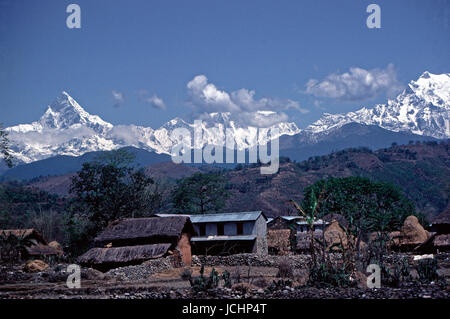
(236, 275)
(12, 247)
(427, 270)
(329, 275)
(186, 274)
(285, 269)
(203, 283)
(260, 282)
(227, 279)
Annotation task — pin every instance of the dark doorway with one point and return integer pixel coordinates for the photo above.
(202, 229)
(220, 229)
(240, 228)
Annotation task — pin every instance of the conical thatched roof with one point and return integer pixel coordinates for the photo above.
(134, 231)
(338, 217)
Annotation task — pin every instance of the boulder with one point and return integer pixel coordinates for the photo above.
(56, 246)
(35, 266)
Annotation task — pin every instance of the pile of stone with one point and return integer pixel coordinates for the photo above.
(142, 271)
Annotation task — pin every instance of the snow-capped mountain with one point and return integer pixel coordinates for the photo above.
(67, 129)
(423, 108)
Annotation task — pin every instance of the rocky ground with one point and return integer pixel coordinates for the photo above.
(257, 277)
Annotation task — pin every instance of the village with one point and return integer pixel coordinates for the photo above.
(232, 255)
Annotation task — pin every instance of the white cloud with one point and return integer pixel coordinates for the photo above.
(50, 136)
(207, 98)
(154, 101)
(118, 98)
(356, 85)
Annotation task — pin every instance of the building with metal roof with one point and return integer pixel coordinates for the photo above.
(230, 233)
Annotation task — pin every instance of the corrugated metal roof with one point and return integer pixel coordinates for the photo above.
(290, 217)
(317, 222)
(224, 238)
(171, 215)
(269, 219)
(225, 217)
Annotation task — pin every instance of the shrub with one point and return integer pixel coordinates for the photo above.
(203, 283)
(427, 270)
(285, 269)
(227, 279)
(186, 274)
(260, 282)
(329, 275)
(12, 247)
(236, 275)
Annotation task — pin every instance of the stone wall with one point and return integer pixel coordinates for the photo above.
(255, 260)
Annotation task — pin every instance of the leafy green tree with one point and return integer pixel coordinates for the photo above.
(4, 147)
(200, 193)
(367, 205)
(108, 189)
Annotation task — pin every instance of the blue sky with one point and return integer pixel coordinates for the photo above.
(145, 49)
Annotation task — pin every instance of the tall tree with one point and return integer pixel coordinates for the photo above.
(4, 147)
(200, 193)
(108, 188)
(367, 205)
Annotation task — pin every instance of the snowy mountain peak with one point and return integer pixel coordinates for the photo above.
(423, 108)
(65, 112)
(433, 88)
(67, 129)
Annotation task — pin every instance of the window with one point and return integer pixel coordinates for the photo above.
(202, 229)
(240, 228)
(220, 229)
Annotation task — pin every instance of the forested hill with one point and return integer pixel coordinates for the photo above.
(421, 170)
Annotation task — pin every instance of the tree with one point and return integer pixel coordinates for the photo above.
(200, 194)
(367, 205)
(4, 147)
(108, 188)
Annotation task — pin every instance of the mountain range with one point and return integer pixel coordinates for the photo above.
(420, 112)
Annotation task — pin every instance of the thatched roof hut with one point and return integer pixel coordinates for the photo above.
(28, 234)
(35, 243)
(441, 224)
(107, 258)
(131, 241)
(144, 231)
